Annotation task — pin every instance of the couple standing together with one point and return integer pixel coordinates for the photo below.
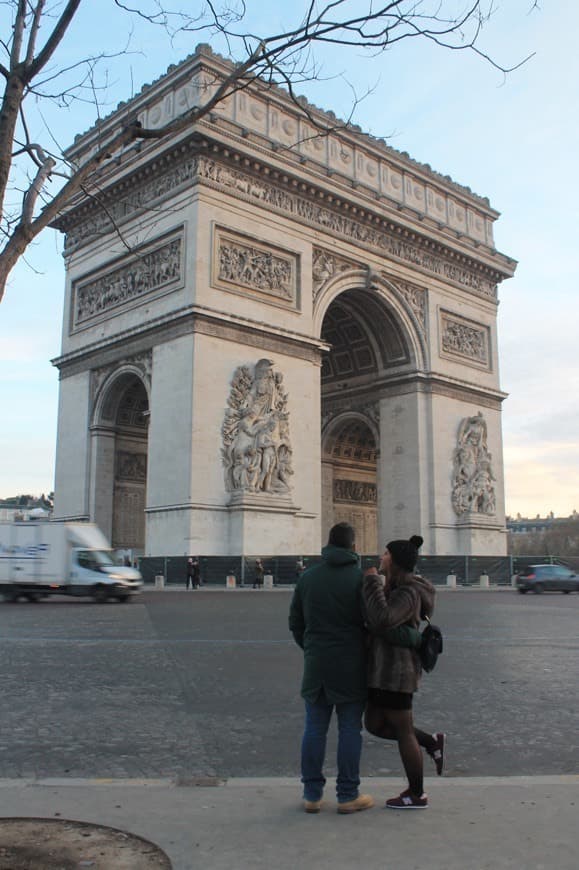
(360, 638)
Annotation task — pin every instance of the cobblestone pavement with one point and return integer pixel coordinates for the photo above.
(195, 684)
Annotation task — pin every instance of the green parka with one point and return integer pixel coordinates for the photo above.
(327, 622)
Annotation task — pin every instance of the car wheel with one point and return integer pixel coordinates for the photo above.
(100, 594)
(522, 591)
(123, 598)
(538, 589)
(566, 591)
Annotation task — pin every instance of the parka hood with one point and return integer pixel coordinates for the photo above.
(338, 556)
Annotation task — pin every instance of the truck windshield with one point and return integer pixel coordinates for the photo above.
(94, 560)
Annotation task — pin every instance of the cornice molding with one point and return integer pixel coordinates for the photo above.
(186, 321)
(213, 165)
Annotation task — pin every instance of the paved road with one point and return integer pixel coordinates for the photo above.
(197, 684)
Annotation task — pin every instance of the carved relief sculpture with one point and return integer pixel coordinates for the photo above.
(256, 452)
(472, 485)
(241, 263)
(355, 490)
(464, 339)
(326, 265)
(155, 270)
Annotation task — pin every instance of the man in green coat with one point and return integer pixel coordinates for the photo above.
(327, 622)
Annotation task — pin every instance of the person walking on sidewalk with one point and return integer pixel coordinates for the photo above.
(397, 596)
(327, 622)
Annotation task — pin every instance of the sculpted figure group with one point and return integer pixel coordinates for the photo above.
(472, 485)
(256, 452)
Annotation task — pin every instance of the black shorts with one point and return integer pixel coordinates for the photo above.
(390, 700)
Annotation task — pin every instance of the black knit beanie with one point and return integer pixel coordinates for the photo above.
(405, 553)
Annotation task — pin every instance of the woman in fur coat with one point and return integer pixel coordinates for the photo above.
(395, 596)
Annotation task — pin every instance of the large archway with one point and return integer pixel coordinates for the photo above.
(349, 480)
(368, 348)
(120, 446)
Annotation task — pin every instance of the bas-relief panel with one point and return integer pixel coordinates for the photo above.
(464, 339)
(243, 265)
(154, 269)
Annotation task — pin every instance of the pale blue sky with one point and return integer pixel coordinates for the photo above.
(515, 141)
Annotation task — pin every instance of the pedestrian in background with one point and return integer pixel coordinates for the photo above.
(259, 574)
(396, 596)
(327, 621)
(196, 577)
(189, 580)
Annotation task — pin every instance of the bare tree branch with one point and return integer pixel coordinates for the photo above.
(285, 59)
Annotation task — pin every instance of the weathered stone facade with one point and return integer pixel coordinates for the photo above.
(267, 332)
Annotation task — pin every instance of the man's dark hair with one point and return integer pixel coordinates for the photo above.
(342, 535)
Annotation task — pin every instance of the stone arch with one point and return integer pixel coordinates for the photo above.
(375, 330)
(394, 297)
(109, 387)
(350, 449)
(119, 456)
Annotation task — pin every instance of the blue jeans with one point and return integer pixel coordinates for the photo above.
(318, 717)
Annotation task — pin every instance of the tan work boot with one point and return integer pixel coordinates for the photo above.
(312, 806)
(362, 802)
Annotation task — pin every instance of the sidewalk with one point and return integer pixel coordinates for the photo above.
(494, 823)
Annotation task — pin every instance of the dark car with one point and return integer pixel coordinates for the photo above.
(547, 578)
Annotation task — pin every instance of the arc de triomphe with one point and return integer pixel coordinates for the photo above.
(267, 331)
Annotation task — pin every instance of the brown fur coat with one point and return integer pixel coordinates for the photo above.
(405, 602)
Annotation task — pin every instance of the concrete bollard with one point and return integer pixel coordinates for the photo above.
(159, 581)
(268, 581)
(451, 581)
(484, 581)
(230, 581)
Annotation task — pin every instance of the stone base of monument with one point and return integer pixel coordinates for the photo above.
(37, 844)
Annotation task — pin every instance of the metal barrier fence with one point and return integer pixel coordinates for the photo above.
(284, 569)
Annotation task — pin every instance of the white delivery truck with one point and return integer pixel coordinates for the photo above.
(52, 558)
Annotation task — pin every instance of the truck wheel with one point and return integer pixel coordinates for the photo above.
(10, 595)
(100, 594)
(33, 597)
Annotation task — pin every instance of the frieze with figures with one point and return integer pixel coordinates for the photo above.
(152, 271)
(256, 452)
(150, 186)
(396, 242)
(464, 339)
(404, 249)
(355, 490)
(253, 266)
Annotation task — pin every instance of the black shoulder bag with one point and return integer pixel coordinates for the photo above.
(430, 647)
